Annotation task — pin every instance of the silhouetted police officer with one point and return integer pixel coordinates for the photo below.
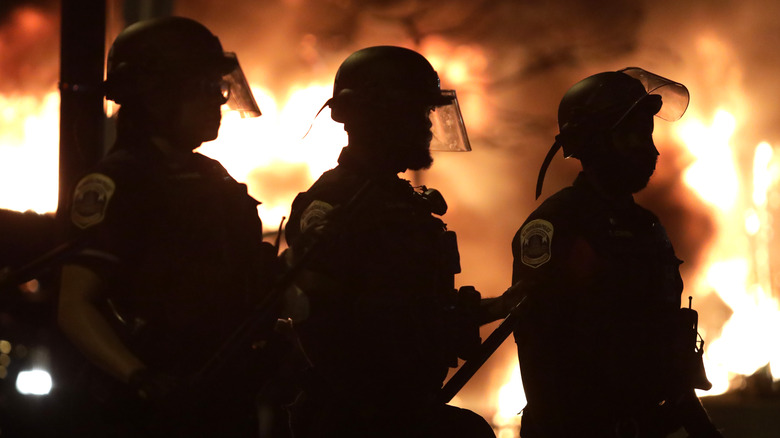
(174, 256)
(604, 348)
(374, 308)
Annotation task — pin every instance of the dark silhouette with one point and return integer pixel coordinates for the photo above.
(605, 349)
(173, 256)
(25, 236)
(376, 312)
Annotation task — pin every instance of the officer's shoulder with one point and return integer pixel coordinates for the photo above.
(119, 159)
(119, 166)
(647, 215)
(551, 213)
(558, 207)
(200, 158)
(326, 189)
(209, 165)
(334, 186)
(561, 211)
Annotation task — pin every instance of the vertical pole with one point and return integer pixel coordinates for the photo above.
(138, 10)
(82, 116)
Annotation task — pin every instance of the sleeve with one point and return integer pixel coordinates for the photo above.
(551, 248)
(541, 249)
(532, 248)
(111, 212)
(315, 216)
(312, 210)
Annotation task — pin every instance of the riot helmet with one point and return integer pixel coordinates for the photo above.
(150, 56)
(393, 76)
(593, 107)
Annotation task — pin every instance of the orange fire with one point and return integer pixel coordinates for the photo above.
(737, 265)
(276, 159)
(29, 152)
(277, 144)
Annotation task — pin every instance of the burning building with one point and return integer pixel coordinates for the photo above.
(715, 189)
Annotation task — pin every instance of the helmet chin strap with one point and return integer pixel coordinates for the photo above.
(600, 143)
(315, 117)
(545, 164)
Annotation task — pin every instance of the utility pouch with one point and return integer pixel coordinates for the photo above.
(467, 309)
(448, 243)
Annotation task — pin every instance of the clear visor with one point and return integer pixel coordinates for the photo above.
(449, 131)
(240, 97)
(674, 95)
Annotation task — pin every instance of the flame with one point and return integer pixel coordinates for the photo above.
(29, 152)
(464, 68)
(737, 264)
(511, 399)
(713, 174)
(277, 142)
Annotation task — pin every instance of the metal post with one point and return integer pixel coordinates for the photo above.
(138, 10)
(82, 116)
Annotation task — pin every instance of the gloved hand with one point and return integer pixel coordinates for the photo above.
(492, 309)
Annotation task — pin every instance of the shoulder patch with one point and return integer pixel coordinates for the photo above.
(315, 214)
(90, 200)
(536, 243)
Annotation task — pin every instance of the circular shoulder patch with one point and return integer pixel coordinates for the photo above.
(90, 200)
(315, 214)
(536, 240)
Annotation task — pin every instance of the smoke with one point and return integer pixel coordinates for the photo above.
(29, 47)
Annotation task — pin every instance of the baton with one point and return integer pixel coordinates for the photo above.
(486, 349)
(13, 277)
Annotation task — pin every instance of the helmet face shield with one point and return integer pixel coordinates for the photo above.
(449, 131)
(240, 97)
(674, 95)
